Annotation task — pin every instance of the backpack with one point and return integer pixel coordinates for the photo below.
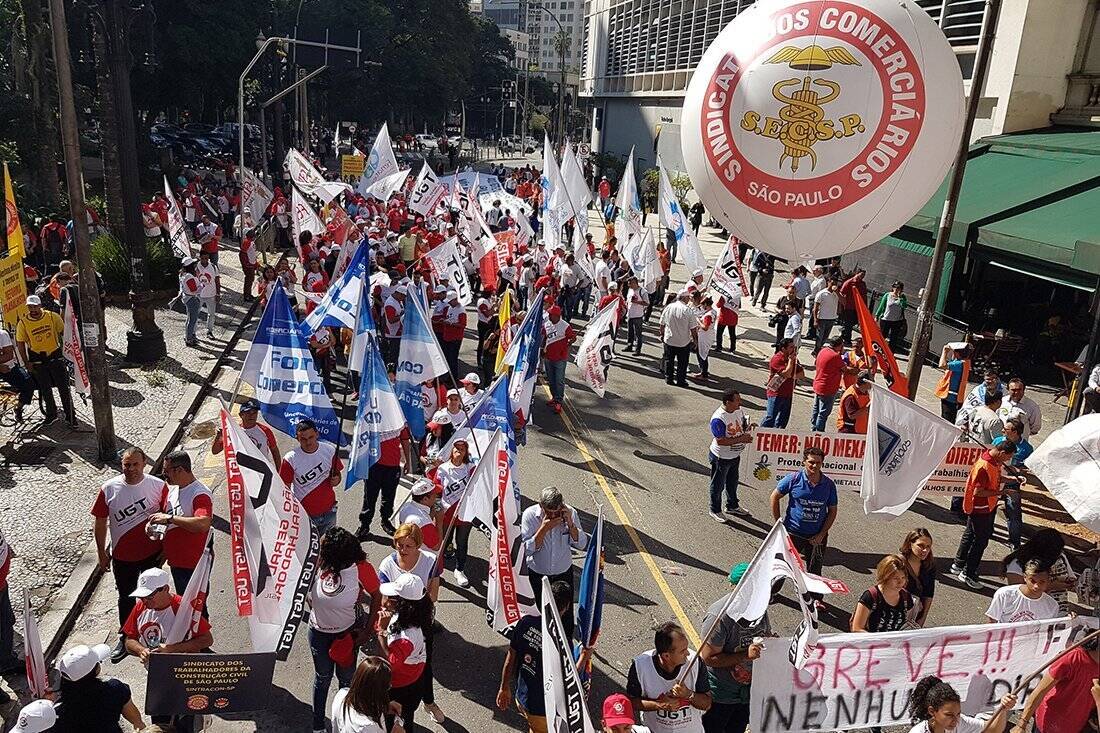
(877, 600)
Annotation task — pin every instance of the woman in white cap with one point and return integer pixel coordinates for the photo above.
(440, 430)
(190, 289)
(404, 624)
(87, 702)
(471, 391)
(424, 510)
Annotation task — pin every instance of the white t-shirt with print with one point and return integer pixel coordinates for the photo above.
(967, 724)
(1010, 605)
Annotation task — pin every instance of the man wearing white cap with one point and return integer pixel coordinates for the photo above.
(454, 408)
(471, 391)
(36, 717)
(393, 316)
(150, 623)
(696, 282)
(678, 329)
(423, 510)
(38, 340)
(87, 702)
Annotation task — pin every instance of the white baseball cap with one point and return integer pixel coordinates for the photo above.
(407, 586)
(422, 486)
(150, 581)
(37, 716)
(441, 417)
(188, 261)
(34, 300)
(696, 272)
(78, 662)
(471, 378)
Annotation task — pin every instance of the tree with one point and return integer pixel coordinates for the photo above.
(539, 124)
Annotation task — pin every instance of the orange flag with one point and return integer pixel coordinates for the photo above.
(875, 344)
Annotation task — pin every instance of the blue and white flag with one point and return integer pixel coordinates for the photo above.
(590, 598)
(420, 359)
(357, 358)
(525, 367)
(491, 413)
(628, 221)
(555, 199)
(673, 217)
(338, 307)
(379, 417)
(280, 368)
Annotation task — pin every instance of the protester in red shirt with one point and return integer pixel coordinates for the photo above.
(827, 373)
(453, 329)
(783, 370)
(612, 295)
(312, 470)
(394, 459)
(250, 258)
(188, 512)
(558, 336)
(404, 624)
(1064, 698)
(983, 493)
(123, 507)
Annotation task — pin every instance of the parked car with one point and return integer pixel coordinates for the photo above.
(427, 141)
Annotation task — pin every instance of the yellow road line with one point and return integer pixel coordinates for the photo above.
(655, 571)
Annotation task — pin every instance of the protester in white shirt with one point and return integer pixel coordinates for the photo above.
(826, 304)
(362, 707)
(793, 329)
(939, 709)
(1027, 601)
(210, 292)
(637, 300)
(1017, 404)
(678, 328)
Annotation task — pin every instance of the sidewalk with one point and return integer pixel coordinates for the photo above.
(49, 474)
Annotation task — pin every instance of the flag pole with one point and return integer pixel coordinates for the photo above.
(347, 367)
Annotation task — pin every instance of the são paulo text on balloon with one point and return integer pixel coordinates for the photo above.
(812, 128)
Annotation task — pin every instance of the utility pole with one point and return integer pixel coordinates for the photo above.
(922, 335)
(90, 311)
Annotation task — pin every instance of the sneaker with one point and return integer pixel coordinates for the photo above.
(739, 511)
(363, 533)
(972, 582)
(718, 517)
(388, 528)
(956, 568)
(119, 652)
(461, 579)
(436, 713)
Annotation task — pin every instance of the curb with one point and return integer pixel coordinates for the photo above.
(74, 595)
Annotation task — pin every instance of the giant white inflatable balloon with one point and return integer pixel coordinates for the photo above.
(812, 128)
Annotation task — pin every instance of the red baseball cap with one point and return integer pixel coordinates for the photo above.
(617, 710)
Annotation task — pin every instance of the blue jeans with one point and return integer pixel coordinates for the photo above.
(555, 374)
(323, 667)
(724, 475)
(323, 521)
(778, 412)
(193, 306)
(21, 382)
(1014, 516)
(823, 405)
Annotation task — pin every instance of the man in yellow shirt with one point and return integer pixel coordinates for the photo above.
(38, 338)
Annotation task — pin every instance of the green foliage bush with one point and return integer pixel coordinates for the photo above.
(112, 261)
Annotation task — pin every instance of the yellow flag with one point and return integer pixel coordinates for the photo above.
(15, 231)
(504, 317)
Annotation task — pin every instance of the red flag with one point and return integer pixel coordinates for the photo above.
(876, 345)
(490, 270)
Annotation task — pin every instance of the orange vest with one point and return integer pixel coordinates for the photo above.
(859, 362)
(858, 424)
(943, 387)
(984, 474)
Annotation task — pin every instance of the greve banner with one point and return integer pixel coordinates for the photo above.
(874, 343)
(274, 547)
(597, 349)
(563, 692)
(72, 347)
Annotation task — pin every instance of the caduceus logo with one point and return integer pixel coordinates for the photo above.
(801, 121)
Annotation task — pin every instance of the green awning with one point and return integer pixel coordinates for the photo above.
(1009, 174)
(908, 246)
(1064, 232)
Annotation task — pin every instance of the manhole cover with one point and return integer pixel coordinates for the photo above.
(29, 454)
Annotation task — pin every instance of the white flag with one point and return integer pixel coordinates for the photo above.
(427, 191)
(73, 349)
(579, 194)
(598, 347)
(727, 278)
(274, 547)
(1068, 464)
(481, 489)
(186, 623)
(303, 218)
(310, 180)
(35, 659)
(385, 187)
(177, 232)
(448, 262)
(905, 445)
(555, 199)
(629, 219)
(777, 559)
(672, 216)
(381, 162)
(255, 196)
(563, 693)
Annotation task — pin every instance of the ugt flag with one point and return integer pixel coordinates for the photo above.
(727, 279)
(192, 603)
(309, 179)
(273, 544)
(598, 347)
(563, 694)
(177, 232)
(777, 559)
(905, 445)
(1068, 464)
(338, 307)
(255, 196)
(280, 367)
(72, 347)
(590, 596)
(420, 359)
(447, 262)
(379, 417)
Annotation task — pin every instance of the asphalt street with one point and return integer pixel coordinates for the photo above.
(641, 454)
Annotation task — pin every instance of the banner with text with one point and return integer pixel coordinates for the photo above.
(190, 684)
(861, 680)
(775, 453)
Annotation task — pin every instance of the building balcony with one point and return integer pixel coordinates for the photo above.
(1082, 108)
